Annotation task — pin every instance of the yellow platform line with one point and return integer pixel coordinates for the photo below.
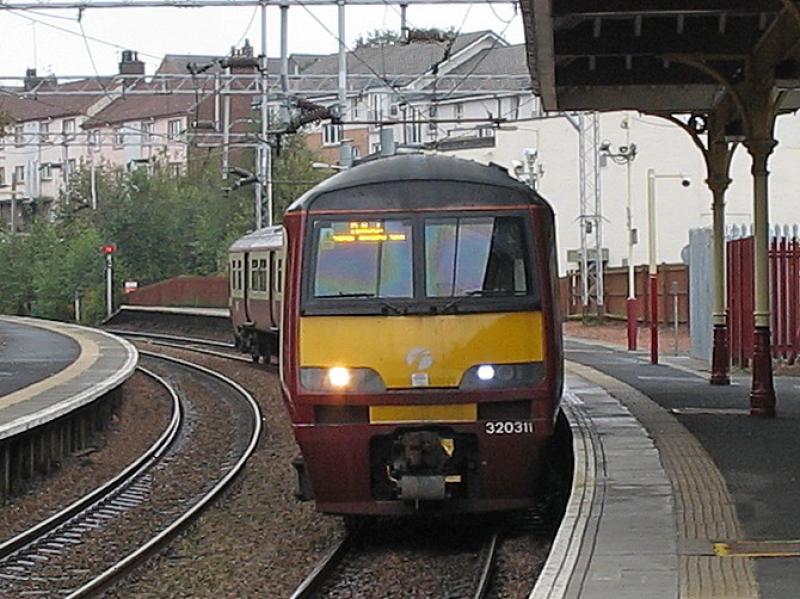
(89, 354)
(758, 549)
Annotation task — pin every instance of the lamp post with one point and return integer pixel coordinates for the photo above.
(653, 269)
(626, 155)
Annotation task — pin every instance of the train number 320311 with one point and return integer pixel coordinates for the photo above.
(509, 427)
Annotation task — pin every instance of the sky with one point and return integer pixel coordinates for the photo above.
(53, 41)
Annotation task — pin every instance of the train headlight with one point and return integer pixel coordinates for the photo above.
(502, 376)
(339, 379)
(485, 372)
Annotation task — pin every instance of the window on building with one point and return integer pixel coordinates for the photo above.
(19, 174)
(68, 129)
(46, 172)
(414, 128)
(19, 135)
(458, 111)
(354, 109)
(331, 135)
(72, 166)
(174, 129)
(94, 138)
(146, 129)
(119, 137)
(44, 132)
(2, 176)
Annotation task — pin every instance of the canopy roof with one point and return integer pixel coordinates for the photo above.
(660, 55)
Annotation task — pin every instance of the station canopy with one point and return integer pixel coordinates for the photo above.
(669, 56)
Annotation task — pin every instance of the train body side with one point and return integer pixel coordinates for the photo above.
(255, 274)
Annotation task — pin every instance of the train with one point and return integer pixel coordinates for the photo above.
(412, 302)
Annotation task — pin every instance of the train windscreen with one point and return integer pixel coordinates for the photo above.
(474, 256)
(364, 259)
(422, 264)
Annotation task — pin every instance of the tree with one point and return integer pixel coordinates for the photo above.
(163, 226)
(293, 174)
(391, 37)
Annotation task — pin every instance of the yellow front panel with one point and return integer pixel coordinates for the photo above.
(436, 349)
(464, 412)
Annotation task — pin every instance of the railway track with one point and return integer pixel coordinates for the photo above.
(91, 544)
(209, 347)
(465, 569)
(471, 556)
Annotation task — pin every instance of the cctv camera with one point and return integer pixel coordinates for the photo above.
(686, 182)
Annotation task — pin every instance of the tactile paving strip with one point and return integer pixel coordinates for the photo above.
(705, 510)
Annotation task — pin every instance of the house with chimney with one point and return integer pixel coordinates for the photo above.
(44, 143)
(208, 107)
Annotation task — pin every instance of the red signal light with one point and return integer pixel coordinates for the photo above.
(109, 248)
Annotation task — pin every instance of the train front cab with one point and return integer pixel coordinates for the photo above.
(439, 392)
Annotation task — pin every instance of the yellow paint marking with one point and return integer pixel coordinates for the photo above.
(758, 549)
(440, 346)
(89, 354)
(465, 412)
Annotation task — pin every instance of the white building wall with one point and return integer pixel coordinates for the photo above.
(663, 147)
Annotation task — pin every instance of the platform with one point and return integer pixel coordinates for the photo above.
(186, 310)
(734, 529)
(48, 369)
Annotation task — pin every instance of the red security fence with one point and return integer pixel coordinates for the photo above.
(673, 279)
(784, 268)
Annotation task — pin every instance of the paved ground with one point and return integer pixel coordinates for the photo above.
(759, 459)
(30, 354)
(616, 332)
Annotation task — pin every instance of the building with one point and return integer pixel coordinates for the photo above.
(469, 96)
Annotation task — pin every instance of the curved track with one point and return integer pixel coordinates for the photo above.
(91, 544)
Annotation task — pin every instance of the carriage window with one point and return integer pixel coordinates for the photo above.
(363, 259)
(278, 276)
(475, 256)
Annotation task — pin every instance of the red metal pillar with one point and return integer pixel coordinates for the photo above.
(653, 279)
(633, 326)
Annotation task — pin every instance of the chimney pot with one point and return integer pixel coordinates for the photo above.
(130, 63)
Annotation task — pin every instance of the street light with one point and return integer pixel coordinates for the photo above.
(626, 155)
(652, 270)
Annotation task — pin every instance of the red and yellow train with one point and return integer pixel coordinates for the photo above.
(420, 340)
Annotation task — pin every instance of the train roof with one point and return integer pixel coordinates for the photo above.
(267, 238)
(393, 181)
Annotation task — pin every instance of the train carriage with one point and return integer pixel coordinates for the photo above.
(421, 357)
(255, 264)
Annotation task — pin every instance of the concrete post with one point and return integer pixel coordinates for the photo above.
(762, 394)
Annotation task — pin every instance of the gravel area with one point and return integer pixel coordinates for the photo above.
(259, 541)
(216, 429)
(140, 419)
